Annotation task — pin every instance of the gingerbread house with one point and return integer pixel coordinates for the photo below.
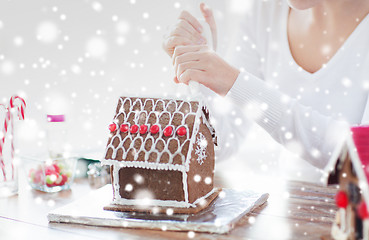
(349, 168)
(161, 154)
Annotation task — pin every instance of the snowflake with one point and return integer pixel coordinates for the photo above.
(7, 67)
(47, 32)
(96, 47)
(200, 151)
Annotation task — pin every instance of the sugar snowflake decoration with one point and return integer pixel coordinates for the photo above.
(200, 151)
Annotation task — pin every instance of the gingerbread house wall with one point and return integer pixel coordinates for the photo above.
(201, 169)
(168, 179)
(346, 176)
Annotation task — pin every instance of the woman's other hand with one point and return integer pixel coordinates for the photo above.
(188, 31)
(201, 64)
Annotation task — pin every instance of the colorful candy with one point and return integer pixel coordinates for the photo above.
(143, 129)
(168, 131)
(51, 175)
(112, 127)
(134, 128)
(154, 129)
(181, 131)
(124, 128)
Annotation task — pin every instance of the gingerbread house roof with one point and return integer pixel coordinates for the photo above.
(355, 148)
(155, 133)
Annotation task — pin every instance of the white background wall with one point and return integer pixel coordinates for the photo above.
(76, 57)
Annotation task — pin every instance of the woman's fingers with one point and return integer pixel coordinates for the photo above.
(191, 75)
(187, 31)
(187, 57)
(175, 79)
(188, 65)
(188, 28)
(189, 60)
(180, 31)
(203, 65)
(170, 43)
(207, 12)
(191, 20)
(180, 50)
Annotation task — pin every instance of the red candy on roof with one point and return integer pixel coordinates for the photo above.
(112, 127)
(143, 129)
(168, 131)
(124, 128)
(154, 129)
(134, 128)
(171, 122)
(181, 131)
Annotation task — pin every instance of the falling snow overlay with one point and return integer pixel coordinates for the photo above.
(77, 58)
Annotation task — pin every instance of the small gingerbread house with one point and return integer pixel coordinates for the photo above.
(349, 168)
(161, 153)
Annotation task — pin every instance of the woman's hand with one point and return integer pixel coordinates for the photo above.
(207, 13)
(188, 30)
(201, 64)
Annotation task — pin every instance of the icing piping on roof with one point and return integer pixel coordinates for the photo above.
(176, 106)
(196, 127)
(142, 164)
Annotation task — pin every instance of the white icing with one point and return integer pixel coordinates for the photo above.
(116, 185)
(201, 146)
(204, 197)
(342, 213)
(343, 231)
(337, 233)
(137, 137)
(142, 164)
(162, 203)
(194, 88)
(185, 186)
(135, 115)
(196, 127)
(207, 123)
(153, 202)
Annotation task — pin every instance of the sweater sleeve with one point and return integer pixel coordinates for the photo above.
(230, 122)
(299, 128)
(365, 117)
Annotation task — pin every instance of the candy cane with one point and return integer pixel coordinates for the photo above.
(21, 117)
(2, 140)
(12, 143)
(20, 108)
